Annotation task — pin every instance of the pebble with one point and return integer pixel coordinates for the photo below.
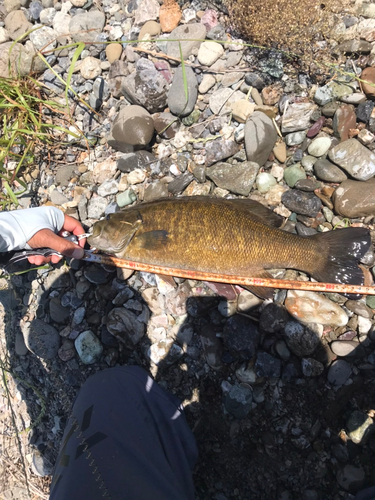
(297, 117)
(280, 152)
(301, 202)
(319, 146)
(344, 121)
(339, 372)
(351, 478)
(310, 307)
(84, 27)
(16, 24)
(148, 10)
(295, 138)
(301, 340)
(238, 178)
(220, 150)
(209, 53)
(328, 172)
(311, 367)
(345, 348)
(242, 109)
(41, 339)
(360, 427)
(188, 36)
(364, 110)
(42, 36)
(221, 100)
(354, 158)
(123, 324)
(166, 351)
(177, 102)
(241, 337)
(293, 174)
(133, 126)
(170, 16)
(355, 199)
(267, 365)
(260, 137)
(368, 80)
(113, 51)
(96, 207)
(265, 182)
(208, 81)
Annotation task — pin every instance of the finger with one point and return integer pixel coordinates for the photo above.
(74, 226)
(65, 247)
(38, 260)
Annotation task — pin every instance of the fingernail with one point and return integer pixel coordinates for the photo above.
(78, 253)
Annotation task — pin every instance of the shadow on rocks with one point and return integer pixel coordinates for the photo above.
(275, 412)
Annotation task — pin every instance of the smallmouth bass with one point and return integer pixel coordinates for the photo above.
(236, 237)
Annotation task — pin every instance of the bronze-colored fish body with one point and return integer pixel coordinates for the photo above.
(226, 237)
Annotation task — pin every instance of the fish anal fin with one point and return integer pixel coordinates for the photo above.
(260, 291)
(152, 240)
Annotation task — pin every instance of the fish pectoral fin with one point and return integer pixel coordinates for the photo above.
(261, 291)
(152, 240)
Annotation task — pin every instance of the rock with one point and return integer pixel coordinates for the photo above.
(319, 146)
(351, 478)
(192, 118)
(354, 158)
(96, 207)
(314, 130)
(169, 15)
(42, 36)
(177, 102)
(40, 465)
(209, 53)
(180, 183)
(267, 366)
(310, 307)
(16, 24)
(242, 109)
(133, 126)
(323, 95)
(297, 117)
(61, 23)
(301, 202)
(255, 80)
(108, 188)
(365, 137)
(238, 401)
(265, 182)
(345, 348)
(311, 367)
(260, 137)
(189, 36)
(113, 51)
(355, 199)
(166, 125)
(117, 73)
(146, 87)
(343, 121)
(360, 427)
(58, 198)
(58, 313)
(328, 172)
(221, 100)
(41, 339)
(19, 345)
(293, 174)
(364, 111)
(280, 152)
(124, 325)
(148, 10)
(220, 150)
(151, 28)
(273, 318)
(301, 340)
(86, 26)
(295, 138)
(339, 372)
(89, 347)
(355, 46)
(241, 337)
(368, 81)
(208, 81)
(90, 68)
(238, 178)
(155, 191)
(165, 351)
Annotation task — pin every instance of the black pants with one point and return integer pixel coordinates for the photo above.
(127, 438)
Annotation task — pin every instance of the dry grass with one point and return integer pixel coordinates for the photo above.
(290, 25)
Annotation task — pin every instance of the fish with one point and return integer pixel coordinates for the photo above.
(228, 236)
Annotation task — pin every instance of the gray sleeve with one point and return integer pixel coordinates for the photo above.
(18, 226)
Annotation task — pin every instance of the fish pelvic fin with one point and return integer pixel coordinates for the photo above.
(346, 247)
(260, 291)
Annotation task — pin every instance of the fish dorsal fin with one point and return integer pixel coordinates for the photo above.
(152, 240)
(256, 209)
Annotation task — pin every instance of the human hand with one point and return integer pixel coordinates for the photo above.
(47, 238)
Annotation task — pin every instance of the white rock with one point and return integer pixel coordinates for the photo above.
(90, 68)
(209, 52)
(61, 23)
(89, 347)
(265, 182)
(319, 146)
(310, 307)
(4, 35)
(364, 325)
(136, 176)
(40, 37)
(208, 81)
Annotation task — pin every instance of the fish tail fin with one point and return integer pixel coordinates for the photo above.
(345, 249)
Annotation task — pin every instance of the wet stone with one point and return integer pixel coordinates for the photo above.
(301, 202)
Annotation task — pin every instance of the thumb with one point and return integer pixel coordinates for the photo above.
(65, 247)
